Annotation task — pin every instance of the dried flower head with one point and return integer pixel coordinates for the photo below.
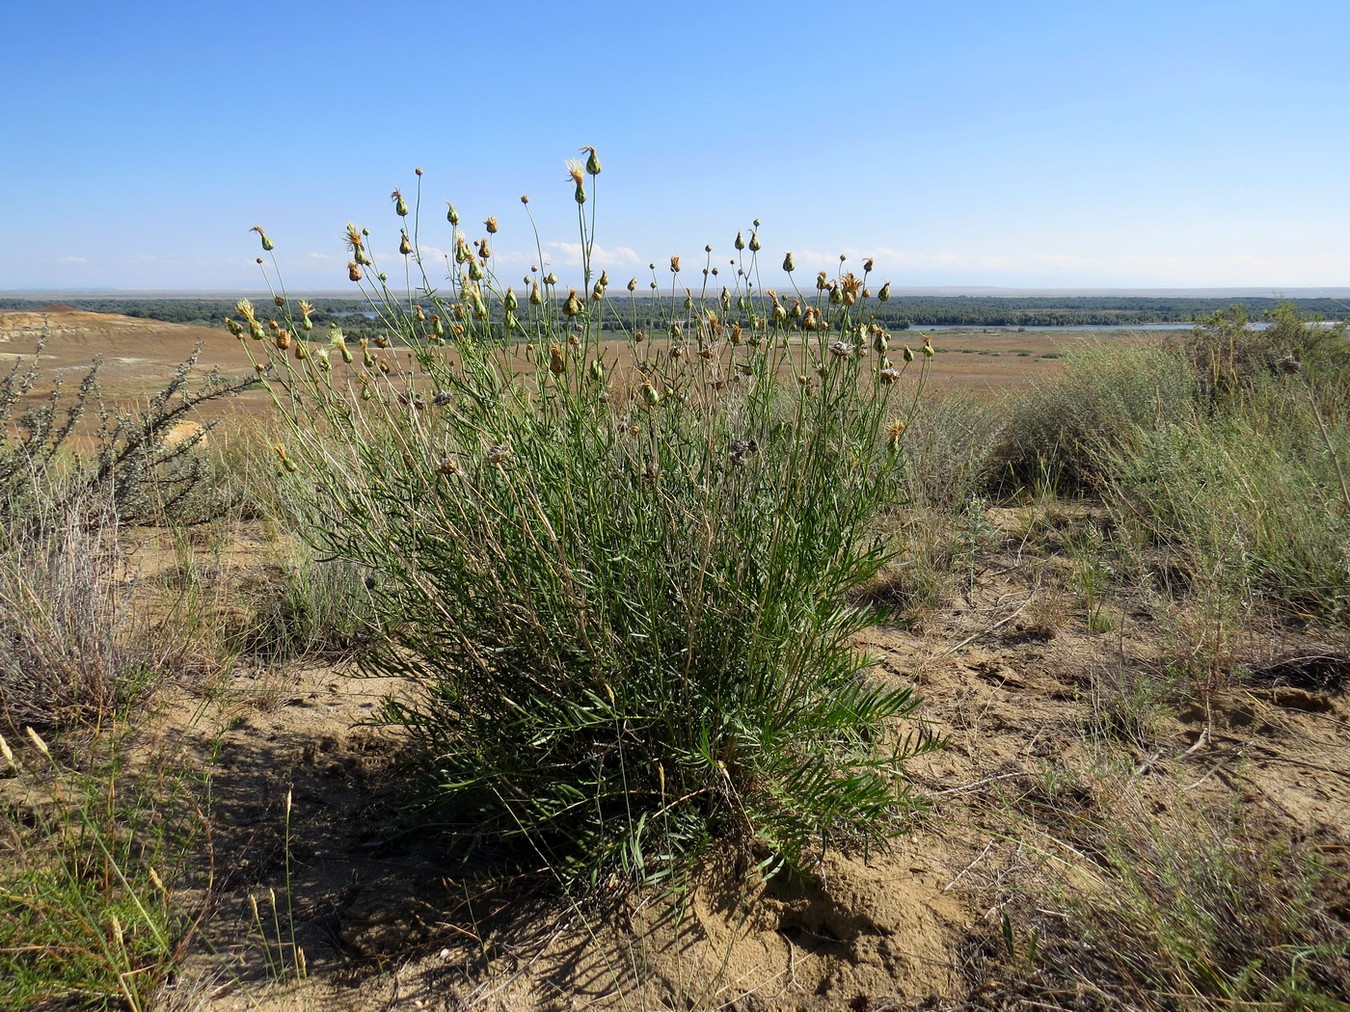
(850, 286)
(576, 173)
(491, 225)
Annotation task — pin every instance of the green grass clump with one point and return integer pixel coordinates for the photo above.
(614, 571)
(1196, 913)
(1103, 393)
(1242, 509)
(91, 868)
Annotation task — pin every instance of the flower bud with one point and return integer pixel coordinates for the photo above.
(536, 298)
(572, 307)
(451, 215)
(509, 300)
(908, 354)
(650, 395)
(597, 370)
(675, 265)
(404, 246)
(740, 242)
(400, 205)
(267, 243)
(885, 294)
(556, 364)
(632, 284)
(754, 242)
(592, 162)
(788, 265)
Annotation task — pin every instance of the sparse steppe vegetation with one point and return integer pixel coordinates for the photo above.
(553, 668)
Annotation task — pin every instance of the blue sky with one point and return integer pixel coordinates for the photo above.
(964, 142)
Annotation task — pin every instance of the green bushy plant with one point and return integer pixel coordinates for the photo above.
(612, 564)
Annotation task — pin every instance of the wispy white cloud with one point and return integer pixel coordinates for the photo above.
(77, 261)
(569, 255)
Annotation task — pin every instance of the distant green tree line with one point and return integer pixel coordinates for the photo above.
(898, 313)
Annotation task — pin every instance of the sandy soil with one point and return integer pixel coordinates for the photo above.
(1010, 673)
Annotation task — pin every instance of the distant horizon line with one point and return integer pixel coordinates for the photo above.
(932, 291)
